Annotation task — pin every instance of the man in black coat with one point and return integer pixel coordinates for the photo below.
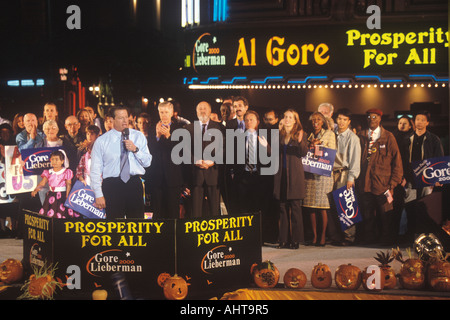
(165, 177)
(205, 167)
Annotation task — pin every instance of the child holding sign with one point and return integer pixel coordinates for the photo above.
(59, 180)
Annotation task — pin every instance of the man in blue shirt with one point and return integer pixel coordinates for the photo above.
(120, 196)
(31, 136)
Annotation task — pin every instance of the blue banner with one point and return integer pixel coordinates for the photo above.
(319, 160)
(81, 199)
(347, 207)
(36, 160)
(429, 171)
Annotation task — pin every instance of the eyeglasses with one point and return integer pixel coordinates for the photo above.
(372, 117)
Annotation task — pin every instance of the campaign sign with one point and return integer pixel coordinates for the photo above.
(15, 180)
(216, 254)
(81, 199)
(429, 171)
(36, 160)
(4, 196)
(347, 207)
(319, 164)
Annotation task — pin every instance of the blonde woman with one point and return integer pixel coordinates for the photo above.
(289, 183)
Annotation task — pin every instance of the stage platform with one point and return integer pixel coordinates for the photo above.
(305, 258)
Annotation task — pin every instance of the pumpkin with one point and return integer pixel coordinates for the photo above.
(438, 275)
(294, 278)
(412, 274)
(365, 278)
(347, 277)
(41, 287)
(99, 294)
(390, 280)
(175, 288)
(162, 278)
(321, 276)
(265, 274)
(11, 270)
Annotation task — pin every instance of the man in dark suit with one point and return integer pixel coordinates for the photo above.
(247, 176)
(240, 105)
(165, 178)
(205, 170)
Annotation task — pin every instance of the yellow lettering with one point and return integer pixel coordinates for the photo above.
(352, 35)
(242, 53)
(319, 53)
(275, 51)
(293, 54)
(414, 57)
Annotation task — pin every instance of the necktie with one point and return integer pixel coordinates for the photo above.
(371, 141)
(203, 129)
(241, 125)
(251, 161)
(124, 163)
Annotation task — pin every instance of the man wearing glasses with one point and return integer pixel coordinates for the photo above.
(381, 172)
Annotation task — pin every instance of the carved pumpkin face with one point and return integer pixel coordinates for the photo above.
(294, 278)
(162, 278)
(11, 270)
(412, 274)
(175, 288)
(390, 280)
(321, 276)
(365, 278)
(439, 276)
(347, 277)
(265, 274)
(41, 287)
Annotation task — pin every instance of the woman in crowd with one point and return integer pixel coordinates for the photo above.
(18, 124)
(51, 130)
(318, 187)
(85, 119)
(289, 183)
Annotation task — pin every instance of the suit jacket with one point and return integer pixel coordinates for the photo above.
(198, 176)
(295, 175)
(163, 171)
(384, 170)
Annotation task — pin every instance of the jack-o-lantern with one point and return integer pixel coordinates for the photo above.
(347, 277)
(175, 288)
(294, 278)
(11, 270)
(377, 284)
(321, 276)
(265, 274)
(41, 287)
(438, 275)
(162, 277)
(390, 280)
(412, 274)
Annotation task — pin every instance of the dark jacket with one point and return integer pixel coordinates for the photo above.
(295, 176)
(431, 148)
(384, 170)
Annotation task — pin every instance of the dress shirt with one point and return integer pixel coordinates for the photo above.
(105, 157)
(348, 153)
(376, 133)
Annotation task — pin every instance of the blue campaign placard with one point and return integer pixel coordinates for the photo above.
(321, 165)
(429, 171)
(347, 207)
(36, 160)
(81, 199)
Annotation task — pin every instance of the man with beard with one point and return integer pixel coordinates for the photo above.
(205, 172)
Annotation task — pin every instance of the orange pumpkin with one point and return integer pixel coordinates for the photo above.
(11, 270)
(41, 287)
(294, 278)
(412, 274)
(321, 276)
(365, 277)
(438, 275)
(390, 280)
(347, 277)
(265, 274)
(175, 288)
(162, 278)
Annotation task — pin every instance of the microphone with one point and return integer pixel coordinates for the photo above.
(125, 135)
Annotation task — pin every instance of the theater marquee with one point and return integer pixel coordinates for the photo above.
(297, 52)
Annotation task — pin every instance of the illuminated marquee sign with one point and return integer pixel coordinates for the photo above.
(394, 49)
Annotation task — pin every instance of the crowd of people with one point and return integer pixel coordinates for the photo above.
(127, 160)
